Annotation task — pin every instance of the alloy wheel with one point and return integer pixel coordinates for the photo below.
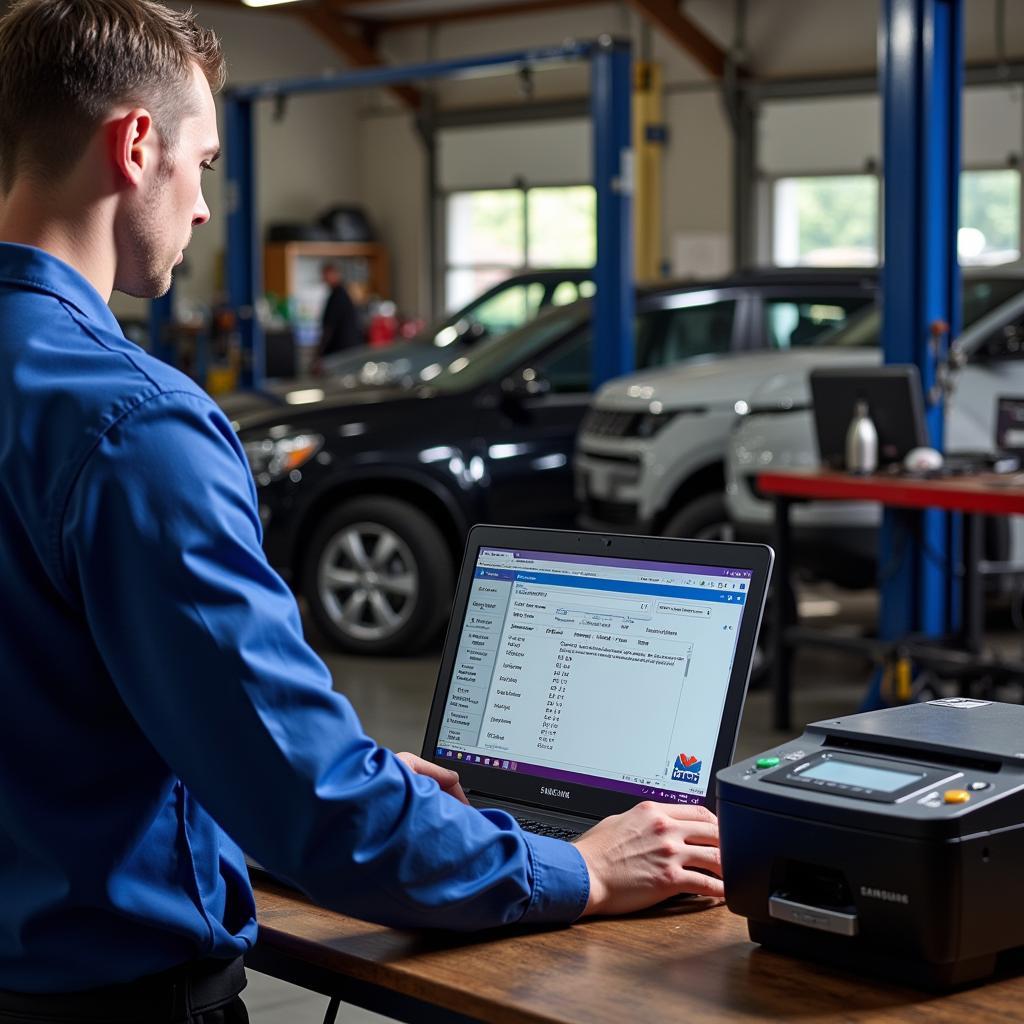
(367, 581)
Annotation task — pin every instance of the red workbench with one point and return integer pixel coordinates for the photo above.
(974, 496)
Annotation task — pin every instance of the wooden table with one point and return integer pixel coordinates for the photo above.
(689, 961)
(974, 496)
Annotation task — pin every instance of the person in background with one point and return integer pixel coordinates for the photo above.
(162, 711)
(340, 323)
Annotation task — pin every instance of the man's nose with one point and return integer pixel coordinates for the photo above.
(201, 213)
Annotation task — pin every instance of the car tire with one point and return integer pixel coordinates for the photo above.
(378, 577)
(706, 518)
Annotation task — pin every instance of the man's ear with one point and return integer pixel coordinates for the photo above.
(135, 146)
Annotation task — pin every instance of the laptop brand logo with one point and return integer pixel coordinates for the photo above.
(549, 791)
(687, 768)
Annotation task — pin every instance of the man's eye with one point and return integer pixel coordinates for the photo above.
(206, 166)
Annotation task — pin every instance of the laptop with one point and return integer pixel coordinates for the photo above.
(895, 405)
(1009, 439)
(583, 673)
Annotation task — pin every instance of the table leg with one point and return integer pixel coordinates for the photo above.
(784, 600)
(973, 600)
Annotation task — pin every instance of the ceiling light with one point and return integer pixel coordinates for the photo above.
(266, 3)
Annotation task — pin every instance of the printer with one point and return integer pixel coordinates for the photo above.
(890, 841)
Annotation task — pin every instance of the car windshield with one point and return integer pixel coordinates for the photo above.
(492, 362)
(980, 296)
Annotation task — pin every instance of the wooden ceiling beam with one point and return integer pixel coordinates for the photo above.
(354, 49)
(478, 13)
(686, 34)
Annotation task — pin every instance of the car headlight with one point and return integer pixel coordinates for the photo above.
(270, 459)
(649, 423)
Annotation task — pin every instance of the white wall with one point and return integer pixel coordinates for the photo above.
(843, 134)
(391, 172)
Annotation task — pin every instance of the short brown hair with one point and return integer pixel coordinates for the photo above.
(65, 63)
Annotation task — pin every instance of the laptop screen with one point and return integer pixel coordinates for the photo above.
(609, 672)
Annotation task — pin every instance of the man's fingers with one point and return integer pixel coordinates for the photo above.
(701, 834)
(445, 777)
(707, 857)
(688, 812)
(457, 792)
(702, 885)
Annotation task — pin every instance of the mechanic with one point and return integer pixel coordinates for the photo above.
(339, 323)
(162, 709)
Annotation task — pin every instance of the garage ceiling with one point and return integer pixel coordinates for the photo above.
(354, 26)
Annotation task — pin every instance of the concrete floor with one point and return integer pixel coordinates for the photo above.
(392, 696)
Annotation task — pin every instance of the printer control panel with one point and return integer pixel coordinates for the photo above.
(868, 777)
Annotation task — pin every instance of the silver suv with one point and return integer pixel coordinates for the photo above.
(838, 539)
(651, 452)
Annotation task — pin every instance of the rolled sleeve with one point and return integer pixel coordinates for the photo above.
(561, 881)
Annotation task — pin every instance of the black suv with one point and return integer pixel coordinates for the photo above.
(366, 496)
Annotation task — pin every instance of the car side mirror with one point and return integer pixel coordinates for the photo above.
(474, 332)
(1005, 344)
(524, 384)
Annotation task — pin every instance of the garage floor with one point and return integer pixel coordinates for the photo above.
(393, 696)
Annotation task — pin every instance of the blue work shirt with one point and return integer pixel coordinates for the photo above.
(161, 710)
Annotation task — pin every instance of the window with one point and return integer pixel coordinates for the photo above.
(834, 220)
(989, 217)
(826, 221)
(561, 226)
(495, 232)
(510, 308)
(567, 368)
(668, 335)
(794, 323)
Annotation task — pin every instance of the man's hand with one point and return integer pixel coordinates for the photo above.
(648, 854)
(444, 777)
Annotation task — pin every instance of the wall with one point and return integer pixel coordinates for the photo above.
(391, 174)
(697, 173)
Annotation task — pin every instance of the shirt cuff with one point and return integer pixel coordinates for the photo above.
(561, 881)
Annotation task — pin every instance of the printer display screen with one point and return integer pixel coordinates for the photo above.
(848, 773)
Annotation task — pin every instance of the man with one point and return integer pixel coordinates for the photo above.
(339, 326)
(161, 709)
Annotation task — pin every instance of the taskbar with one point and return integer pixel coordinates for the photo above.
(647, 792)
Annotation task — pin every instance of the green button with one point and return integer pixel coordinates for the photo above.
(766, 762)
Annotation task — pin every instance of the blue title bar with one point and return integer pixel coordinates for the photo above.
(708, 593)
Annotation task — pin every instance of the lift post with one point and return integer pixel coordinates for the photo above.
(612, 159)
(921, 48)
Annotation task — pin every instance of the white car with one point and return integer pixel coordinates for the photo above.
(651, 454)
(838, 540)
(651, 451)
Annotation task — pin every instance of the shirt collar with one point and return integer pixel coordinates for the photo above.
(23, 266)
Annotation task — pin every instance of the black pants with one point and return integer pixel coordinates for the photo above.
(199, 993)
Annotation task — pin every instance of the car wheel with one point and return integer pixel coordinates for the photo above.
(378, 577)
(705, 518)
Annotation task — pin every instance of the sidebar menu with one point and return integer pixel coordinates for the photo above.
(475, 661)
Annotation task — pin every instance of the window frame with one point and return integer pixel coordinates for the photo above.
(446, 266)
(767, 221)
(771, 219)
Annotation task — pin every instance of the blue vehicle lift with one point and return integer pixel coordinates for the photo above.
(921, 81)
(611, 84)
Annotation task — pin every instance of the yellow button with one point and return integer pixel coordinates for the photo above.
(956, 796)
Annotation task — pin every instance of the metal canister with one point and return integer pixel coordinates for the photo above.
(861, 441)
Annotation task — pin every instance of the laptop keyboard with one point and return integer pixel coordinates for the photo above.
(542, 828)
